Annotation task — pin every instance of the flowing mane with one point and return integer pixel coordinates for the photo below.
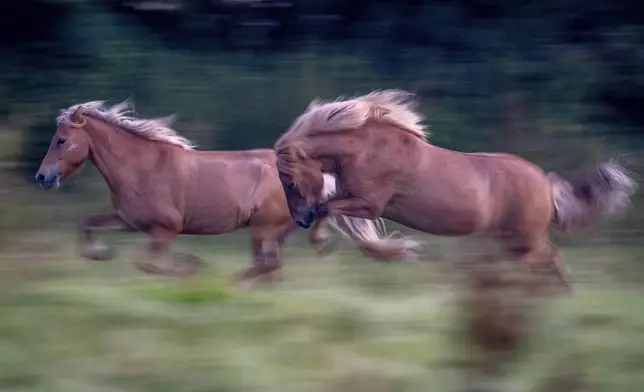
(120, 115)
(394, 107)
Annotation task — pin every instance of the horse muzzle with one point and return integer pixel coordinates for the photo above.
(304, 217)
(48, 179)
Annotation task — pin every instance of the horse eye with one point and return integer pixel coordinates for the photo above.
(291, 186)
(60, 142)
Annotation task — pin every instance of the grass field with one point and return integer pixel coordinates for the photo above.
(339, 323)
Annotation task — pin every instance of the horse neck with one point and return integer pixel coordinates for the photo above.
(116, 152)
(332, 147)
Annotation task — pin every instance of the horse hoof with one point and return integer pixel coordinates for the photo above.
(179, 265)
(243, 282)
(97, 252)
(254, 277)
(268, 280)
(563, 290)
(325, 248)
(187, 265)
(245, 275)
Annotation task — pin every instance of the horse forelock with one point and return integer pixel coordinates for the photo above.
(122, 116)
(394, 107)
(288, 158)
(291, 162)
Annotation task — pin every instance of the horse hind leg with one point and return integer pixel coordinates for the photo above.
(272, 265)
(545, 261)
(90, 246)
(553, 266)
(561, 270)
(266, 244)
(159, 260)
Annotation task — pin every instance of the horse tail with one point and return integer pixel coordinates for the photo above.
(369, 235)
(602, 192)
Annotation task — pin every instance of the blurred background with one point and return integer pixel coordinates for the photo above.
(558, 82)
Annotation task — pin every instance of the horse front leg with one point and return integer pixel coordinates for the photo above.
(320, 238)
(90, 246)
(357, 207)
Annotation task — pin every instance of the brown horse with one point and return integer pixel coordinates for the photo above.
(160, 185)
(377, 147)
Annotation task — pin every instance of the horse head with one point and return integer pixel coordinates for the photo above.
(303, 182)
(68, 151)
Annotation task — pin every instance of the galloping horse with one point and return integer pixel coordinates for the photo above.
(160, 185)
(377, 147)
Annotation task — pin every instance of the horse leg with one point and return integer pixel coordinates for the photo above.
(90, 246)
(560, 268)
(266, 243)
(542, 259)
(161, 261)
(365, 207)
(320, 238)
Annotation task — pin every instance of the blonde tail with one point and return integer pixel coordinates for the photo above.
(369, 235)
(601, 192)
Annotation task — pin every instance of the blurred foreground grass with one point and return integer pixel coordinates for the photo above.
(340, 323)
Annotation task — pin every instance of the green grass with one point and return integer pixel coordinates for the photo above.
(339, 323)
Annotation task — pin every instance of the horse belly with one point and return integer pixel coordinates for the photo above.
(214, 217)
(457, 225)
(438, 216)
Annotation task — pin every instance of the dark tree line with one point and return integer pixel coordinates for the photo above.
(611, 30)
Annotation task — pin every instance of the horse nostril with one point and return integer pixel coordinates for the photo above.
(40, 177)
(302, 223)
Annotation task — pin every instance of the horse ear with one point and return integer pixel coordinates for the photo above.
(315, 102)
(297, 152)
(77, 116)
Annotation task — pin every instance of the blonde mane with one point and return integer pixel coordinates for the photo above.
(394, 107)
(120, 115)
